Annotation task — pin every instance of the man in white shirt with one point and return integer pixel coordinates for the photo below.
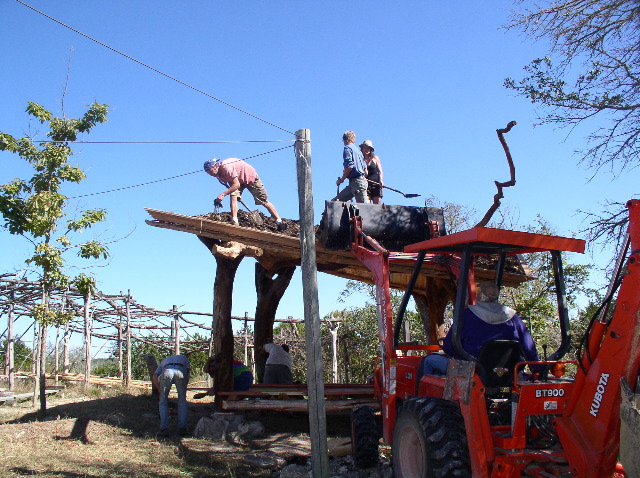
(278, 367)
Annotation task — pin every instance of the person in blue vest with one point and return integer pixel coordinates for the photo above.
(242, 377)
(354, 170)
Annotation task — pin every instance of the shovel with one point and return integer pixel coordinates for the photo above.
(254, 214)
(407, 195)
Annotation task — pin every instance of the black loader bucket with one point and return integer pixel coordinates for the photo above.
(392, 226)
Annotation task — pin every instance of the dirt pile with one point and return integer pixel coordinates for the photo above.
(256, 220)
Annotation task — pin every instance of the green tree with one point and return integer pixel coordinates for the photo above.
(358, 333)
(22, 355)
(35, 209)
(590, 76)
(535, 301)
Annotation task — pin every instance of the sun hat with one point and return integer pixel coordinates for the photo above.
(490, 291)
(210, 163)
(368, 143)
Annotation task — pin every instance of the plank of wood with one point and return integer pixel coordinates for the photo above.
(20, 396)
(332, 406)
(339, 263)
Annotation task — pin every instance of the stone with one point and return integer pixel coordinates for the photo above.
(251, 430)
(264, 459)
(295, 471)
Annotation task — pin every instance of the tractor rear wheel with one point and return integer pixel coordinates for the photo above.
(429, 440)
(364, 437)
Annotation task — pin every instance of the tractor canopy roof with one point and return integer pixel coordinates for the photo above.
(486, 240)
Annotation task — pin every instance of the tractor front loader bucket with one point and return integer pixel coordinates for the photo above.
(392, 226)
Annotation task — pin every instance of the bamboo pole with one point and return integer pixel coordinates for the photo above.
(317, 411)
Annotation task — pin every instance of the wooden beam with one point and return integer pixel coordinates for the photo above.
(285, 250)
(331, 406)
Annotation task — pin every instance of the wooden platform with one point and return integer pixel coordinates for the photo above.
(277, 250)
(293, 398)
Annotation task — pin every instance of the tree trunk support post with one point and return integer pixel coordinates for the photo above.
(315, 384)
(269, 291)
(222, 328)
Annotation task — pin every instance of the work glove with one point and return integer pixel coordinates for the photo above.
(217, 202)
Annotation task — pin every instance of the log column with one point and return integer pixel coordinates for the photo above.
(432, 304)
(270, 287)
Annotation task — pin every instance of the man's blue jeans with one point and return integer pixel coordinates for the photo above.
(436, 364)
(178, 376)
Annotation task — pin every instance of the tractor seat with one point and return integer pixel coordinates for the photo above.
(496, 362)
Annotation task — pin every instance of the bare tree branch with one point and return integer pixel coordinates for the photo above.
(512, 182)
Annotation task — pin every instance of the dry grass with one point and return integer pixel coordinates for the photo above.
(112, 433)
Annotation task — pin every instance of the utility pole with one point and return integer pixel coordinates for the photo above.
(315, 384)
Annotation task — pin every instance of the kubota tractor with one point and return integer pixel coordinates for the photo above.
(488, 417)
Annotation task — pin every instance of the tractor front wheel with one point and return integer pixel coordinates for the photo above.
(429, 440)
(364, 437)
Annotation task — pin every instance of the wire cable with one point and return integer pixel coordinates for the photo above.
(167, 179)
(154, 69)
(165, 142)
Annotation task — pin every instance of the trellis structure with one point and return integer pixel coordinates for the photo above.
(117, 318)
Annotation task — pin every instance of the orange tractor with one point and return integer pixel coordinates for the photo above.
(486, 417)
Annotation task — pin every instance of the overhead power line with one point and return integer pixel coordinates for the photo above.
(167, 179)
(154, 69)
(166, 142)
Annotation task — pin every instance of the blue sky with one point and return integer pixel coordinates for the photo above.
(423, 80)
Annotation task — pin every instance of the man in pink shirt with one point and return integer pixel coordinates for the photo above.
(238, 175)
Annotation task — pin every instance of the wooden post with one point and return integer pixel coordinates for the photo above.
(333, 330)
(9, 351)
(42, 378)
(317, 410)
(176, 329)
(128, 312)
(87, 339)
(57, 344)
(120, 361)
(270, 287)
(65, 349)
(152, 366)
(34, 353)
(56, 351)
(222, 327)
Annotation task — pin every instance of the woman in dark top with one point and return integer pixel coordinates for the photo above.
(374, 172)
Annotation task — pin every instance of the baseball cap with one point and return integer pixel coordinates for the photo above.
(210, 163)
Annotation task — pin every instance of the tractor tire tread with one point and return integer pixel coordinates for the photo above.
(443, 426)
(365, 437)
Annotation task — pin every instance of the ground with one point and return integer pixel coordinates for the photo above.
(113, 433)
